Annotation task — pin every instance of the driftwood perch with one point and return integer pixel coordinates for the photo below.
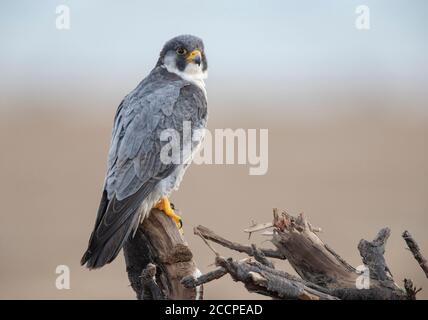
(157, 259)
(324, 275)
(414, 248)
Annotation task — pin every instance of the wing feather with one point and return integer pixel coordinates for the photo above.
(134, 165)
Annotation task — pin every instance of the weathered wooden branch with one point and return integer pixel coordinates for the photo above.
(191, 281)
(323, 273)
(151, 290)
(414, 248)
(160, 264)
(157, 259)
(264, 280)
(411, 290)
(372, 254)
(209, 235)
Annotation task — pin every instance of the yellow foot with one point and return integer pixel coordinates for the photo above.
(165, 206)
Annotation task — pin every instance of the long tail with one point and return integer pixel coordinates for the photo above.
(115, 222)
(98, 255)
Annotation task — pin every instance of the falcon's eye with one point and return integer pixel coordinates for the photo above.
(181, 51)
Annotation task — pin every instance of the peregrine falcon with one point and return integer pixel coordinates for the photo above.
(137, 179)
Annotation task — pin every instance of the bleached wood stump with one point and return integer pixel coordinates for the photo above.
(158, 258)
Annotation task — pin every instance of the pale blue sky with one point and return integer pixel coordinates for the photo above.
(266, 45)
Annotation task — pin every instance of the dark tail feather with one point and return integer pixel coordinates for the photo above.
(106, 253)
(99, 254)
(115, 221)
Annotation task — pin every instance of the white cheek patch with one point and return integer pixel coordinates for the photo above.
(192, 73)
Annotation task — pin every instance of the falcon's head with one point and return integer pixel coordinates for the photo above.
(185, 56)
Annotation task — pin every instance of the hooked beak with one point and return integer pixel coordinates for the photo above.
(195, 56)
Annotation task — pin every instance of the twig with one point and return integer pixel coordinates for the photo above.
(414, 248)
(206, 242)
(151, 290)
(264, 280)
(258, 227)
(192, 282)
(210, 235)
(260, 257)
(410, 289)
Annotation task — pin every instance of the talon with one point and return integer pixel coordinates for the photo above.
(167, 207)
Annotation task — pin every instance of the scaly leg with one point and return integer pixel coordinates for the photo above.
(165, 206)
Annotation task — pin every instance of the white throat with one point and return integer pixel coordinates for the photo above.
(192, 73)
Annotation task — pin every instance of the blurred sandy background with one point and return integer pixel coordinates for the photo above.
(346, 112)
